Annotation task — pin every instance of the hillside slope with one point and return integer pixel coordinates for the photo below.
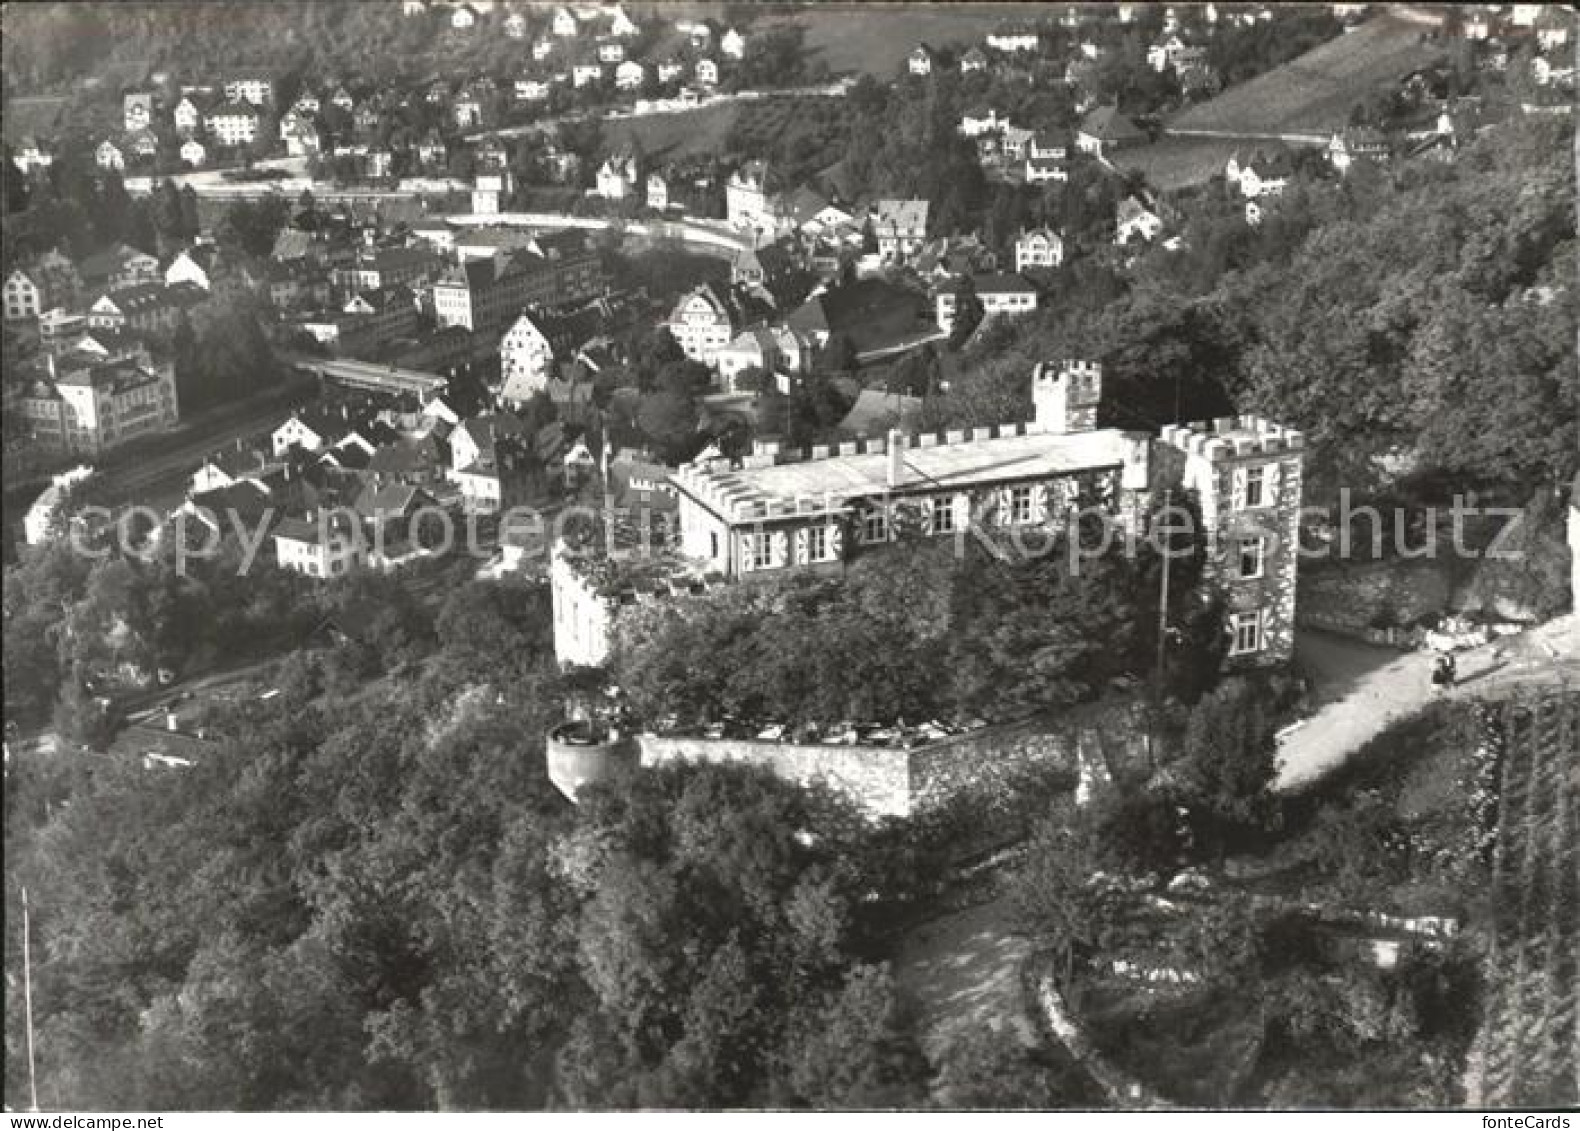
(1315, 93)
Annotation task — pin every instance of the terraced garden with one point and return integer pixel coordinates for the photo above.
(1527, 1052)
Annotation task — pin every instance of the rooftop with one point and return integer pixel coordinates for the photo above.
(1005, 454)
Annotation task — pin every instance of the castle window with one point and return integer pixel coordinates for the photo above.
(817, 544)
(1020, 505)
(1255, 486)
(1253, 555)
(1247, 629)
(943, 515)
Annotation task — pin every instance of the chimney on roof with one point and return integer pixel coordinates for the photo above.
(895, 453)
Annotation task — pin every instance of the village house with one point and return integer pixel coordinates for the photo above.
(108, 156)
(526, 359)
(1260, 173)
(190, 265)
(32, 154)
(611, 51)
(90, 404)
(974, 60)
(563, 23)
(630, 75)
(1008, 295)
(531, 90)
(776, 350)
(143, 145)
(1552, 27)
(326, 546)
(1134, 219)
(1013, 41)
(1040, 247)
(487, 293)
(490, 461)
(466, 111)
(515, 25)
(657, 192)
(463, 17)
(1106, 129)
(981, 120)
(617, 177)
(117, 266)
(1355, 144)
(137, 110)
(920, 60)
(732, 44)
(585, 74)
(703, 323)
(621, 24)
(187, 115)
(145, 308)
(899, 226)
(50, 283)
(707, 72)
(233, 123)
(255, 89)
(751, 197)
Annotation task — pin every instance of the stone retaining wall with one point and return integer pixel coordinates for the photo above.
(887, 781)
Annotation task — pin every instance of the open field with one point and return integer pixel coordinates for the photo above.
(1175, 163)
(689, 133)
(1315, 93)
(863, 38)
(876, 314)
(702, 132)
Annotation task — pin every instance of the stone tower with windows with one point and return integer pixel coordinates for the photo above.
(1247, 473)
(1066, 397)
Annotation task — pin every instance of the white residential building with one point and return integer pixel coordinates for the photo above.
(1040, 247)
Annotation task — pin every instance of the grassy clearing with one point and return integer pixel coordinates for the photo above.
(1315, 93)
(689, 133)
(876, 314)
(1178, 162)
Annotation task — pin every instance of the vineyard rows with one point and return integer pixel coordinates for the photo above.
(1528, 1049)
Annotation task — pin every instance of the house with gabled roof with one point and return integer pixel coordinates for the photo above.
(703, 322)
(1135, 219)
(108, 156)
(1262, 172)
(137, 110)
(1040, 247)
(1106, 129)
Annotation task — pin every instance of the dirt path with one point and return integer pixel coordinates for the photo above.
(1363, 688)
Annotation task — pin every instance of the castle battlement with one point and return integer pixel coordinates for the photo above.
(1085, 377)
(1230, 438)
(732, 492)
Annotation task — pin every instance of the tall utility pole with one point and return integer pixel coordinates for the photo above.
(27, 1006)
(1163, 638)
(1163, 600)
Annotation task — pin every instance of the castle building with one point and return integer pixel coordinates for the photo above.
(779, 511)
